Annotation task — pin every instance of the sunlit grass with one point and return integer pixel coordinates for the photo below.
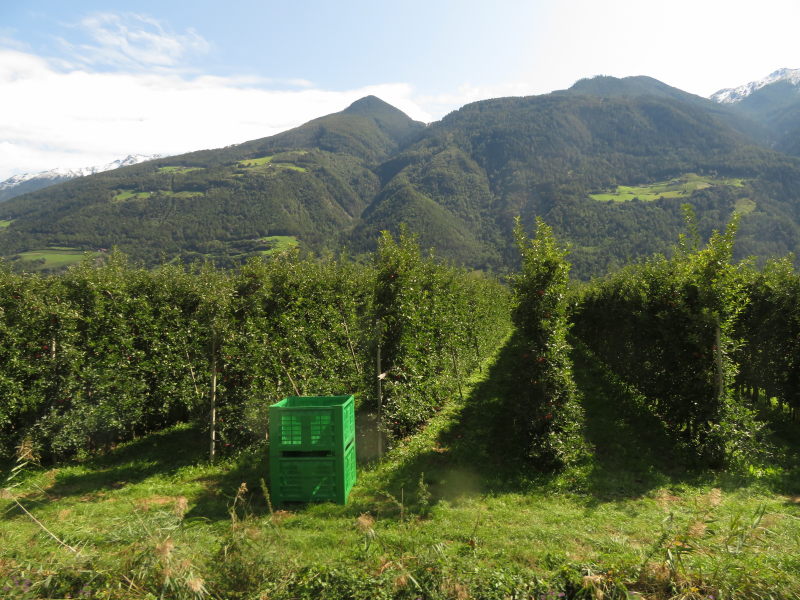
(279, 243)
(54, 257)
(681, 187)
(455, 501)
(178, 169)
(124, 195)
(275, 161)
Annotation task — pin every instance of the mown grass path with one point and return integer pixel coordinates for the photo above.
(453, 512)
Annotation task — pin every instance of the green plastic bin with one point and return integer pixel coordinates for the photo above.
(312, 449)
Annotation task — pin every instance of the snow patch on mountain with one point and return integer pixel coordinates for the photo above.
(733, 95)
(59, 174)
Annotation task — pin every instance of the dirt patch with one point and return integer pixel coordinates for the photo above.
(665, 498)
(178, 504)
(714, 497)
(280, 515)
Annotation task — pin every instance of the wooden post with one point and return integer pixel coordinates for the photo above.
(458, 377)
(213, 401)
(718, 360)
(378, 378)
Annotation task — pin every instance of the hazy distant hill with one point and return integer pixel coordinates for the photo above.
(574, 157)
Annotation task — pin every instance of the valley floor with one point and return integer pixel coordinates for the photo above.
(453, 512)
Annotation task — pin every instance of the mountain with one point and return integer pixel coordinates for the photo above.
(607, 163)
(638, 86)
(734, 95)
(773, 102)
(464, 181)
(17, 185)
(311, 183)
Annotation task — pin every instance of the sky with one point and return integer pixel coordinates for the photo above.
(86, 82)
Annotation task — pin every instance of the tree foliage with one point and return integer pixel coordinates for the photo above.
(436, 324)
(107, 352)
(666, 327)
(548, 402)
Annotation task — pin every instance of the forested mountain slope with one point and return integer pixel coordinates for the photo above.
(311, 182)
(563, 156)
(607, 163)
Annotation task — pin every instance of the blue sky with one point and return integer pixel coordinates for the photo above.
(86, 82)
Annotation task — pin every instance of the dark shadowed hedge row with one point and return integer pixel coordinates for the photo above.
(667, 327)
(769, 328)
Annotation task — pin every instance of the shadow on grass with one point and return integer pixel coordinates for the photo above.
(631, 451)
(158, 454)
(242, 478)
(481, 449)
(784, 477)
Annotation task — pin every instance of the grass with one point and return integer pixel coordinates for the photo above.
(681, 187)
(744, 206)
(125, 195)
(281, 161)
(54, 257)
(4, 223)
(256, 162)
(279, 243)
(178, 169)
(183, 194)
(453, 512)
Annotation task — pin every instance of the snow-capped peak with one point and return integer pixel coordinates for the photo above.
(61, 174)
(733, 95)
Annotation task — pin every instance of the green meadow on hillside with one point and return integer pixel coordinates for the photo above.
(178, 169)
(680, 187)
(282, 161)
(54, 257)
(125, 195)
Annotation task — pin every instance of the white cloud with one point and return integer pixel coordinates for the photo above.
(133, 41)
(52, 118)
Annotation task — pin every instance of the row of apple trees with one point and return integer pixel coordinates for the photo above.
(435, 324)
(669, 328)
(548, 403)
(769, 327)
(104, 353)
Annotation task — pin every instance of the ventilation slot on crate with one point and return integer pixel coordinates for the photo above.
(306, 453)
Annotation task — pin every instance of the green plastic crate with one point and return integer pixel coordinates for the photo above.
(312, 449)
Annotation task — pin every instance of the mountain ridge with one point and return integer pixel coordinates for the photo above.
(774, 102)
(338, 180)
(739, 93)
(16, 185)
